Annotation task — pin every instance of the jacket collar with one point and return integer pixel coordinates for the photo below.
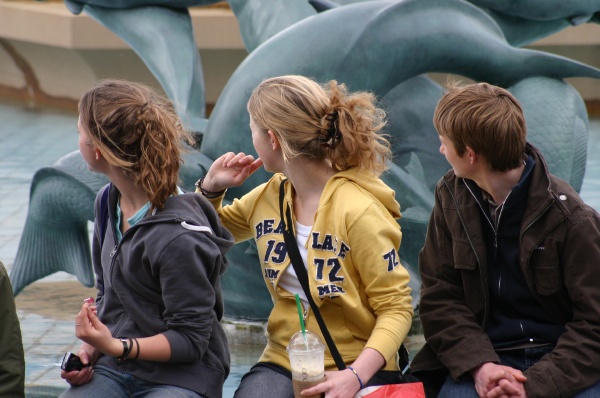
(540, 194)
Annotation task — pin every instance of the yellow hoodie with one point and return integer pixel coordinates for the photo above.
(354, 269)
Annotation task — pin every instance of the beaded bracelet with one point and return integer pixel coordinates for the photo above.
(357, 376)
(208, 194)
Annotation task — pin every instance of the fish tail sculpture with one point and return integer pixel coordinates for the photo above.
(55, 236)
(557, 123)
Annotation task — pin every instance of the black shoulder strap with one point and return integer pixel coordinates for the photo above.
(298, 264)
(103, 216)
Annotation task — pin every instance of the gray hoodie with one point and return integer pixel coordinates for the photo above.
(163, 277)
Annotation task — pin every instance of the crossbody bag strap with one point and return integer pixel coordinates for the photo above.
(298, 264)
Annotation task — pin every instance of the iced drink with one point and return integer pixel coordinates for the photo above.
(306, 352)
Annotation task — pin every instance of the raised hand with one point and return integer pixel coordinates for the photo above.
(230, 170)
(91, 330)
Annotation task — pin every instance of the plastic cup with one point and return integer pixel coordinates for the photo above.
(307, 357)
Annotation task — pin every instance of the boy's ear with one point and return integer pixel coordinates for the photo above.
(98, 154)
(473, 157)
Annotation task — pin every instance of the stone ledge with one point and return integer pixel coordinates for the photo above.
(240, 332)
(214, 27)
(582, 35)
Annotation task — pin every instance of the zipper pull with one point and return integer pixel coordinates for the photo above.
(112, 253)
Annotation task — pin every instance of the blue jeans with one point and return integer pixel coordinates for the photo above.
(264, 381)
(518, 359)
(108, 383)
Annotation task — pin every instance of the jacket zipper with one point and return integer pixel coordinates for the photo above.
(118, 243)
(114, 250)
(485, 298)
(119, 323)
(495, 226)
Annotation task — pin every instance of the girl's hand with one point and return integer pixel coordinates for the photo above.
(78, 377)
(344, 383)
(230, 170)
(92, 302)
(91, 330)
(339, 384)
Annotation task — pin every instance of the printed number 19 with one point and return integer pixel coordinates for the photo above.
(276, 250)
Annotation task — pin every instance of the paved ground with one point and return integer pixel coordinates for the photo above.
(26, 145)
(30, 140)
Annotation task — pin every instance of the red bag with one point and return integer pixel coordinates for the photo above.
(404, 390)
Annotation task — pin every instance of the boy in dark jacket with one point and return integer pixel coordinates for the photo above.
(510, 301)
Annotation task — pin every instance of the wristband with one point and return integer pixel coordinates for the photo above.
(137, 345)
(208, 194)
(127, 346)
(357, 376)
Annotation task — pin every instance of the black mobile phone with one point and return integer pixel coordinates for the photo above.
(71, 362)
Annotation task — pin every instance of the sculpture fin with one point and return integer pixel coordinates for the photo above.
(259, 22)
(322, 5)
(163, 38)
(55, 236)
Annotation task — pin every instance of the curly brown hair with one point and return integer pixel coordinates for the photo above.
(137, 130)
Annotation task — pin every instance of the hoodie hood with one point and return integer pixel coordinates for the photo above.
(193, 212)
(368, 182)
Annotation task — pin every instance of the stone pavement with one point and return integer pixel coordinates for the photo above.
(31, 139)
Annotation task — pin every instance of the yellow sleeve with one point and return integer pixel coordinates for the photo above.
(375, 239)
(237, 216)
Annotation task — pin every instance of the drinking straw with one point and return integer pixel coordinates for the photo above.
(301, 319)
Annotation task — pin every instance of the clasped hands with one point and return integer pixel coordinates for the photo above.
(499, 381)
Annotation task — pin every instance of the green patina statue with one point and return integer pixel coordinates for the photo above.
(385, 47)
